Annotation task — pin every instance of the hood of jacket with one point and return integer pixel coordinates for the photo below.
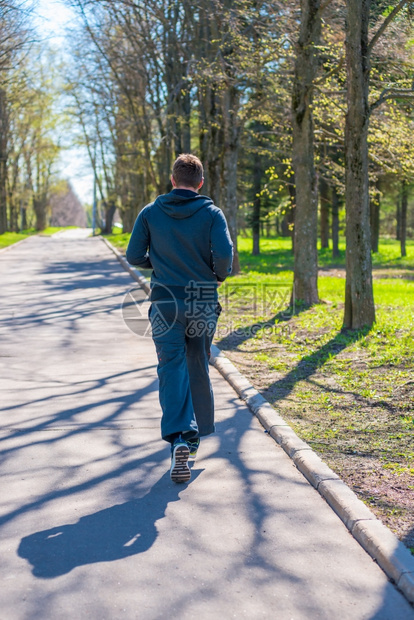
(179, 206)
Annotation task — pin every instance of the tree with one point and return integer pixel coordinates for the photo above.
(359, 298)
(306, 212)
(324, 200)
(12, 39)
(3, 160)
(403, 221)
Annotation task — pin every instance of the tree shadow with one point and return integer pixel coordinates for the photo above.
(309, 364)
(111, 534)
(240, 335)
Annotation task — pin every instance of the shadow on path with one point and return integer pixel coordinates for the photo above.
(110, 534)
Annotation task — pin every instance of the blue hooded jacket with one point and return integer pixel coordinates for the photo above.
(183, 237)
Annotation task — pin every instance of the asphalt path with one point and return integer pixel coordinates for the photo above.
(91, 525)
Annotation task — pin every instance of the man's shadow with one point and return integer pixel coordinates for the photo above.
(110, 534)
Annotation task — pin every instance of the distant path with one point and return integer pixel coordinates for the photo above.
(92, 527)
(74, 233)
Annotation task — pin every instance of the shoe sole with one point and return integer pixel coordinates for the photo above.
(180, 472)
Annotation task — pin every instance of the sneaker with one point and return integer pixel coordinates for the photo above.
(193, 447)
(180, 472)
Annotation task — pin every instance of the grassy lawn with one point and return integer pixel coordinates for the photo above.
(9, 238)
(118, 239)
(276, 254)
(349, 395)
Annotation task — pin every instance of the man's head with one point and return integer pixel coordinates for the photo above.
(187, 172)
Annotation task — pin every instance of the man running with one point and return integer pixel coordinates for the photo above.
(183, 237)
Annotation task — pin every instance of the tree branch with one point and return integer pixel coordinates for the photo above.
(391, 93)
(386, 23)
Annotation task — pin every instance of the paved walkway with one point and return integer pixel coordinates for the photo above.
(92, 527)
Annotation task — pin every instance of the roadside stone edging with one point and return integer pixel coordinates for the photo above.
(374, 537)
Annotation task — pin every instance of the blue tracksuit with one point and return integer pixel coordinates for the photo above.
(183, 237)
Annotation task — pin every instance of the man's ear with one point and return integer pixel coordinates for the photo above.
(174, 184)
(201, 183)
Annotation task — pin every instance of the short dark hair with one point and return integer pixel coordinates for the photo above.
(188, 170)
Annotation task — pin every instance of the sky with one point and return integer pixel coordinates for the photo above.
(51, 18)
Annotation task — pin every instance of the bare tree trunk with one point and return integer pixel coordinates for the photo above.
(306, 216)
(324, 212)
(256, 224)
(335, 223)
(277, 226)
(109, 208)
(398, 218)
(210, 141)
(374, 207)
(359, 297)
(230, 156)
(128, 217)
(290, 214)
(284, 226)
(3, 162)
(203, 136)
(186, 127)
(257, 201)
(404, 203)
(14, 210)
(214, 147)
(23, 214)
(39, 206)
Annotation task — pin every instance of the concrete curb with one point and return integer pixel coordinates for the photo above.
(377, 540)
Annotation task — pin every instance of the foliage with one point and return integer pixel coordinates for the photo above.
(28, 122)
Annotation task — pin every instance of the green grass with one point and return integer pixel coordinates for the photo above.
(8, 238)
(276, 254)
(119, 239)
